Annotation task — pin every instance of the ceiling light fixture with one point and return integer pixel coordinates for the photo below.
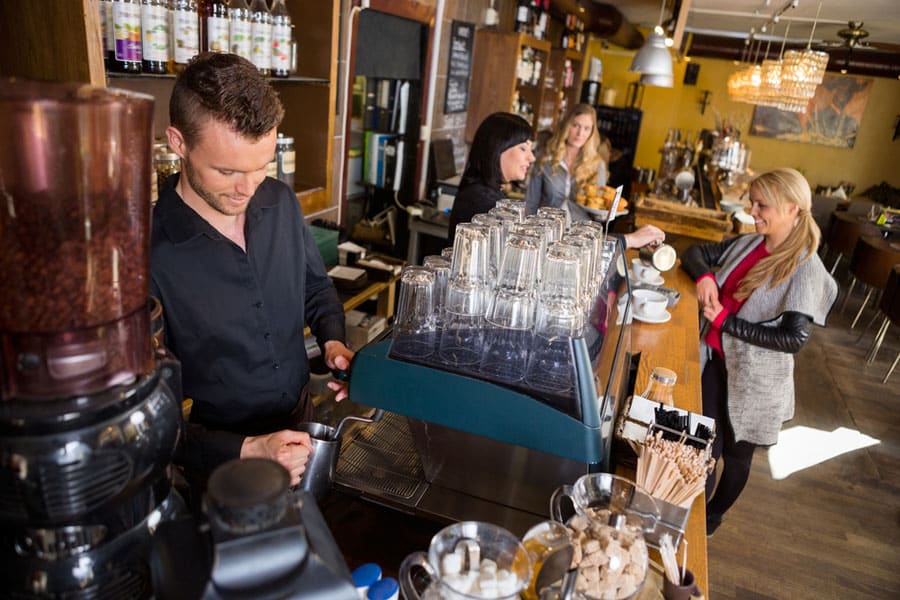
(653, 60)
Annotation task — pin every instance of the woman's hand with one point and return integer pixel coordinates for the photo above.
(290, 449)
(712, 309)
(338, 357)
(648, 234)
(707, 292)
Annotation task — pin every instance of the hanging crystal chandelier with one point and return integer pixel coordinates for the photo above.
(788, 83)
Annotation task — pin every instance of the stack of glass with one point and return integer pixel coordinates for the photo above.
(510, 299)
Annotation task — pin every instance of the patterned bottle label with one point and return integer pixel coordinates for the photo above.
(186, 34)
(239, 37)
(155, 32)
(261, 51)
(127, 31)
(281, 47)
(217, 34)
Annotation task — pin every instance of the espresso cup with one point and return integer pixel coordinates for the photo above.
(643, 271)
(648, 303)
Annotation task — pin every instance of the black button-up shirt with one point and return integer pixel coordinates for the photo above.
(235, 319)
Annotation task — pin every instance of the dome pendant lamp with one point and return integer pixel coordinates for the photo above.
(653, 60)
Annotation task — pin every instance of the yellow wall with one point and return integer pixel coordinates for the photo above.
(873, 159)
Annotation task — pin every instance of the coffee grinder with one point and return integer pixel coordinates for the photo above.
(89, 410)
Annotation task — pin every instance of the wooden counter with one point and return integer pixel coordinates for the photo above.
(676, 345)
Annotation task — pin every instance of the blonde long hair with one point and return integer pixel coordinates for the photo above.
(780, 188)
(589, 157)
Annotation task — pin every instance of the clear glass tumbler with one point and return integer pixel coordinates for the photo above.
(414, 325)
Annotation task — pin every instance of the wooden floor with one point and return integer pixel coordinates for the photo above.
(831, 530)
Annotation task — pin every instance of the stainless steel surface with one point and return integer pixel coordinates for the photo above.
(467, 477)
(509, 475)
(380, 460)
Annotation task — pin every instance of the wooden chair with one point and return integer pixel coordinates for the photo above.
(890, 303)
(844, 232)
(822, 207)
(872, 262)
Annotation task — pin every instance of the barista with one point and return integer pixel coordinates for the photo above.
(238, 274)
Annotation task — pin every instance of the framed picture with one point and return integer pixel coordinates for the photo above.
(832, 117)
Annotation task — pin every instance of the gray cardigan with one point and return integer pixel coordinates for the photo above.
(761, 381)
(552, 187)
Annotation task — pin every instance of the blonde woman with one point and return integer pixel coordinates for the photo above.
(760, 295)
(574, 157)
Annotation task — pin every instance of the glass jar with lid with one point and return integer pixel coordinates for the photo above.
(659, 387)
(165, 164)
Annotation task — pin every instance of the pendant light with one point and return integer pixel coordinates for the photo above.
(653, 60)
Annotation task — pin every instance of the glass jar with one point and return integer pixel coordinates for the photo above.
(285, 159)
(165, 164)
(659, 388)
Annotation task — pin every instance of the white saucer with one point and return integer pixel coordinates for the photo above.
(657, 282)
(662, 319)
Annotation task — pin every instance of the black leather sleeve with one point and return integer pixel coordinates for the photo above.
(789, 336)
(700, 259)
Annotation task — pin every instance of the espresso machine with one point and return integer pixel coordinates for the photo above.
(90, 412)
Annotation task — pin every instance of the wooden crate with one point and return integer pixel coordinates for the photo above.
(676, 218)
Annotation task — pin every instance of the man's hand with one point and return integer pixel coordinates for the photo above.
(338, 356)
(291, 449)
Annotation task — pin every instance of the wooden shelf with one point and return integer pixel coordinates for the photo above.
(494, 75)
(171, 76)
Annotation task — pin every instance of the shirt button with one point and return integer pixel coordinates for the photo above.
(258, 305)
(275, 366)
(267, 335)
(284, 395)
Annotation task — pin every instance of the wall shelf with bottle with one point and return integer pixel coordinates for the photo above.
(509, 71)
(302, 69)
(163, 76)
(565, 65)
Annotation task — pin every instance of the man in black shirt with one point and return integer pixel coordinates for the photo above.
(238, 274)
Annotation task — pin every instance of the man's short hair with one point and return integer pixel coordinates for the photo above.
(225, 88)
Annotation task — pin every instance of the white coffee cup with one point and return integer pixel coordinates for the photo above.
(648, 303)
(643, 272)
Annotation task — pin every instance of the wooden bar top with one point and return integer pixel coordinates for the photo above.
(676, 345)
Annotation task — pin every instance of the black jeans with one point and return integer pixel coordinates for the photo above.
(736, 456)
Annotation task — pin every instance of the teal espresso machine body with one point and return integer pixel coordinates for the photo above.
(497, 450)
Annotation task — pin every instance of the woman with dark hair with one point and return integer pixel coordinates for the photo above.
(760, 294)
(500, 153)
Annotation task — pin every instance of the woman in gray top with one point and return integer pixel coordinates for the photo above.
(760, 295)
(574, 156)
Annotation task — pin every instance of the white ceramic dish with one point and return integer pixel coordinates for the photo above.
(664, 318)
(601, 213)
(657, 281)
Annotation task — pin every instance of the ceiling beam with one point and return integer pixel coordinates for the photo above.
(680, 22)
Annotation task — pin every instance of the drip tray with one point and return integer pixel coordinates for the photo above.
(381, 459)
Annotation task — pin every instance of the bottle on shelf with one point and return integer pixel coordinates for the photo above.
(239, 28)
(126, 23)
(543, 19)
(155, 36)
(523, 16)
(214, 29)
(281, 40)
(185, 33)
(536, 70)
(109, 42)
(261, 36)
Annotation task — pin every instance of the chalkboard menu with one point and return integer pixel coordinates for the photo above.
(462, 36)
